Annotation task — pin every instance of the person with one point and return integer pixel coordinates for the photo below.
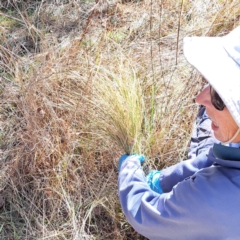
(197, 198)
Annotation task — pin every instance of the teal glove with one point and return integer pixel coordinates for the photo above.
(141, 158)
(153, 180)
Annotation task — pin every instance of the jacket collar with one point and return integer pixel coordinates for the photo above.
(226, 152)
(227, 156)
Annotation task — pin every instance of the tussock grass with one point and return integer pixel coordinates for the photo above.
(81, 84)
(120, 106)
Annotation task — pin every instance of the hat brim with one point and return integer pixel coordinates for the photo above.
(209, 57)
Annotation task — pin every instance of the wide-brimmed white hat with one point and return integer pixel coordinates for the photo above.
(218, 60)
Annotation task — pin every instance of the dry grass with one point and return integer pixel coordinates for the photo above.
(80, 84)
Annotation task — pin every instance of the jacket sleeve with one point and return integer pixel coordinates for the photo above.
(177, 214)
(172, 175)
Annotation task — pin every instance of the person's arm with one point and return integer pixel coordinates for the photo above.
(164, 180)
(179, 214)
(170, 176)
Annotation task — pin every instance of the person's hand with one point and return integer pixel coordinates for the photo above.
(153, 180)
(141, 158)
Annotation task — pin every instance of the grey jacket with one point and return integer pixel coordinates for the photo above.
(201, 199)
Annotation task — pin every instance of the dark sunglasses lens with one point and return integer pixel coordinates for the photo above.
(217, 102)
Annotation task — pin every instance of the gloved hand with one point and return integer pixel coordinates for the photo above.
(153, 181)
(141, 158)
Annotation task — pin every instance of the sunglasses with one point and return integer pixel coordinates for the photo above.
(217, 102)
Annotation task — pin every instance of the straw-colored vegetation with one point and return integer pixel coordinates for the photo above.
(80, 84)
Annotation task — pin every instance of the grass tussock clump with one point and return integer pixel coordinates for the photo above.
(81, 84)
(121, 107)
